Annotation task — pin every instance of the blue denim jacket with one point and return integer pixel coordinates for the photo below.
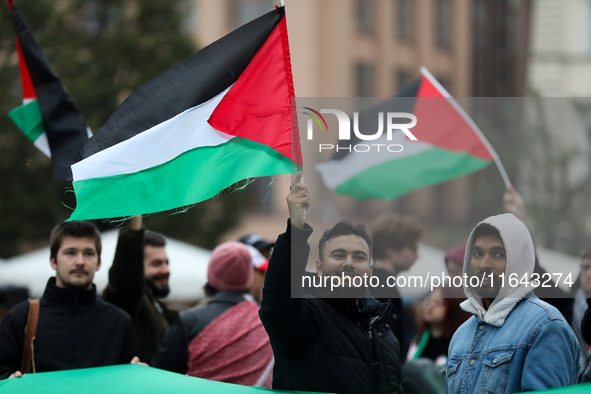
(534, 349)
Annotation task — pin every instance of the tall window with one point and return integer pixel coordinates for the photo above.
(403, 79)
(244, 11)
(443, 23)
(404, 19)
(365, 15)
(365, 80)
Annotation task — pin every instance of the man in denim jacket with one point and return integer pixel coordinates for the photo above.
(514, 342)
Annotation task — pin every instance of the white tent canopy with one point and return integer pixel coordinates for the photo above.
(188, 267)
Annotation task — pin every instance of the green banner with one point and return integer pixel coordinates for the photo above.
(121, 379)
(584, 388)
(124, 379)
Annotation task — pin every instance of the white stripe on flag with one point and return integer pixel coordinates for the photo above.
(43, 145)
(157, 145)
(336, 172)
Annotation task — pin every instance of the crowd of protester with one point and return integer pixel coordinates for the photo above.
(256, 327)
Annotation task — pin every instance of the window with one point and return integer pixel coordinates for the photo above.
(187, 15)
(244, 11)
(404, 19)
(403, 79)
(365, 15)
(365, 79)
(443, 23)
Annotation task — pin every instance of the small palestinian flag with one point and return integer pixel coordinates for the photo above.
(48, 116)
(221, 116)
(448, 145)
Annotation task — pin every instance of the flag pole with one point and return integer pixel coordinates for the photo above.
(474, 126)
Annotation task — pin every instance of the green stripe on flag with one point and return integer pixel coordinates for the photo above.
(194, 176)
(28, 119)
(121, 379)
(396, 177)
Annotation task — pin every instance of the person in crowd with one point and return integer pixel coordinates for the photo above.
(259, 243)
(571, 304)
(514, 342)
(225, 339)
(395, 249)
(259, 265)
(264, 247)
(454, 260)
(74, 328)
(581, 291)
(441, 317)
(138, 280)
(586, 332)
(322, 343)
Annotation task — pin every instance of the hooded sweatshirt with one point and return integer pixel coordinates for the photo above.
(520, 263)
(520, 343)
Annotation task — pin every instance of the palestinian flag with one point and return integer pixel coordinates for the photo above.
(448, 145)
(48, 116)
(221, 116)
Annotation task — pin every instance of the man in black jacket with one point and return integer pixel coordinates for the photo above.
(336, 345)
(138, 279)
(75, 328)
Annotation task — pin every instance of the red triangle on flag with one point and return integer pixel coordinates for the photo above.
(440, 123)
(258, 107)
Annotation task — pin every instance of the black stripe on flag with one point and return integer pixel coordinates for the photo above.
(199, 78)
(402, 102)
(64, 125)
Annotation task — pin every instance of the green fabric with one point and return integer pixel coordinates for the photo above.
(584, 388)
(121, 379)
(124, 379)
(192, 177)
(397, 177)
(422, 343)
(28, 119)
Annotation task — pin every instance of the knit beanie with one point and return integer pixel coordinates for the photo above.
(230, 267)
(457, 253)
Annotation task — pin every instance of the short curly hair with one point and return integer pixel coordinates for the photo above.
(343, 227)
(395, 232)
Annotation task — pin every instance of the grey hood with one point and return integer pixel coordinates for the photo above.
(520, 261)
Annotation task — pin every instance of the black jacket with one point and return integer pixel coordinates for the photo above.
(75, 330)
(383, 294)
(325, 345)
(127, 289)
(172, 352)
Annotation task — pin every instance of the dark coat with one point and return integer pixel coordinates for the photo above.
(75, 330)
(383, 294)
(172, 352)
(127, 289)
(325, 345)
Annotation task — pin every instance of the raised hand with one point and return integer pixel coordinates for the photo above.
(513, 203)
(298, 201)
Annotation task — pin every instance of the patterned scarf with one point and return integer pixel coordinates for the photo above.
(234, 348)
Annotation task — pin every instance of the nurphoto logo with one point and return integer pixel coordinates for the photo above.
(345, 130)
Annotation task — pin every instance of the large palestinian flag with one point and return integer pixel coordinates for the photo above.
(448, 145)
(48, 116)
(221, 116)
